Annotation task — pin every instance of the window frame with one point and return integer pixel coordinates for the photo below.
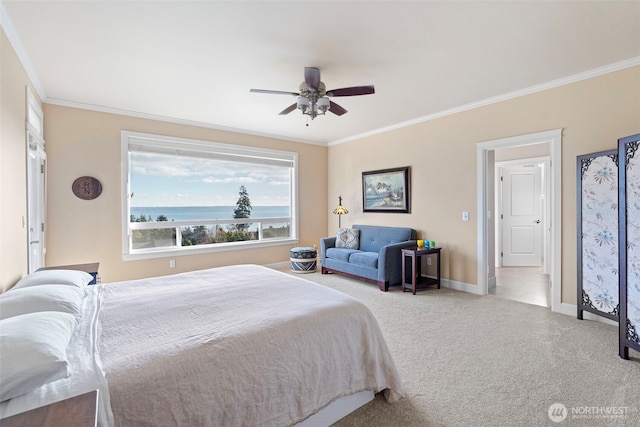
(136, 141)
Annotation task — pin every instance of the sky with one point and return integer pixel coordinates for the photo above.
(163, 180)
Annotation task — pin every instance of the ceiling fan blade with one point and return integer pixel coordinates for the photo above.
(352, 91)
(312, 77)
(289, 109)
(336, 109)
(277, 92)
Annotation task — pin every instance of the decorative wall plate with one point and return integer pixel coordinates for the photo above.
(86, 188)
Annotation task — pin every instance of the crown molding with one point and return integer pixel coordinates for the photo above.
(14, 40)
(617, 66)
(166, 119)
(6, 24)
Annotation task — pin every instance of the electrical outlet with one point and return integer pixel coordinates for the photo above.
(172, 263)
(428, 261)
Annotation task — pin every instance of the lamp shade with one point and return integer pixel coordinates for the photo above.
(340, 210)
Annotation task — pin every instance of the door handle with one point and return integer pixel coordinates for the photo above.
(537, 221)
(34, 241)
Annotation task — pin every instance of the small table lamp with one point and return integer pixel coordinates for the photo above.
(340, 210)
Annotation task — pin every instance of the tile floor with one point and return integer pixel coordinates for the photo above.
(525, 284)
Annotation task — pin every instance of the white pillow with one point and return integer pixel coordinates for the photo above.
(348, 238)
(63, 298)
(33, 350)
(55, 277)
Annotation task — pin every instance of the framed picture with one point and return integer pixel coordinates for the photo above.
(386, 190)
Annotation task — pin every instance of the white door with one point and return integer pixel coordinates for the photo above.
(36, 168)
(521, 216)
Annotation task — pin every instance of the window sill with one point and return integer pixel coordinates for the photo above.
(220, 247)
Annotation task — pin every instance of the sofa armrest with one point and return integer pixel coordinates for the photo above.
(390, 261)
(326, 243)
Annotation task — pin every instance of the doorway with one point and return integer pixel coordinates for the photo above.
(36, 184)
(529, 285)
(486, 157)
(521, 231)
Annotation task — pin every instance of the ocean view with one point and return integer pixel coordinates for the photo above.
(195, 213)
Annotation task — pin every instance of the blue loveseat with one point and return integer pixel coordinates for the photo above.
(377, 259)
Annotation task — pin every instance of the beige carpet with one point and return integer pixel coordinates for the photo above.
(485, 361)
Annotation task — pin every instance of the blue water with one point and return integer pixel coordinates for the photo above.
(194, 213)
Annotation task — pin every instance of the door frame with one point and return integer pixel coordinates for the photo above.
(485, 170)
(36, 189)
(545, 214)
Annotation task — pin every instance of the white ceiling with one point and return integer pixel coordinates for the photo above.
(196, 61)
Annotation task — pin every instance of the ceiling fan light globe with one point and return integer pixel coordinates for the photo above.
(303, 103)
(323, 105)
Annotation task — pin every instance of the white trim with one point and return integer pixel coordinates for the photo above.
(522, 161)
(12, 35)
(572, 310)
(280, 265)
(36, 188)
(554, 138)
(461, 286)
(185, 122)
(617, 66)
(37, 126)
(182, 146)
(9, 29)
(166, 253)
(146, 141)
(21, 52)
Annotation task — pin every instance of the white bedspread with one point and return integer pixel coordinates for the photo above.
(236, 346)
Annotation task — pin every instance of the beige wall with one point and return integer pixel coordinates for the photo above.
(83, 142)
(594, 113)
(13, 184)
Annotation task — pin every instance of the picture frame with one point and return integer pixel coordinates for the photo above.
(386, 190)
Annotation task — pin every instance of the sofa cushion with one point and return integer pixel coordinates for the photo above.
(340, 254)
(373, 238)
(369, 259)
(348, 238)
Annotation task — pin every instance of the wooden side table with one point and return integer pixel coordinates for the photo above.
(416, 279)
(91, 268)
(78, 411)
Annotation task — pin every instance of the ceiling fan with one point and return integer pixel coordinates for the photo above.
(313, 98)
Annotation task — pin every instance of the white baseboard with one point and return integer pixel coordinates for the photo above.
(279, 265)
(461, 286)
(565, 308)
(492, 282)
(572, 310)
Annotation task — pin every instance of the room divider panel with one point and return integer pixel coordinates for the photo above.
(629, 220)
(597, 207)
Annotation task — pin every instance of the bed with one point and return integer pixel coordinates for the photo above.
(233, 346)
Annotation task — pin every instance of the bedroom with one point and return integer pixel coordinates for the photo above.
(594, 106)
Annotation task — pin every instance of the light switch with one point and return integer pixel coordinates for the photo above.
(465, 216)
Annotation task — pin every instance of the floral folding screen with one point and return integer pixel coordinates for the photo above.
(629, 220)
(597, 189)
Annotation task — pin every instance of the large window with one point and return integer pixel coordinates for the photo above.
(185, 196)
